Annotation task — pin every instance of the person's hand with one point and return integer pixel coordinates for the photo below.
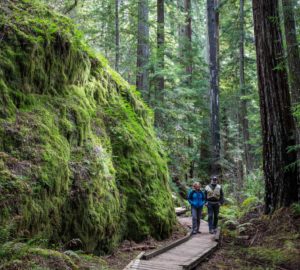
(206, 204)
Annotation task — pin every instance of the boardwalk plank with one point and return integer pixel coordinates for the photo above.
(182, 255)
(154, 266)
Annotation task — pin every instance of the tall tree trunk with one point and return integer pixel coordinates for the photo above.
(225, 138)
(212, 19)
(142, 78)
(293, 60)
(160, 43)
(117, 35)
(204, 148)
(181, 31)
(275, 108)
(160, 58)
(188, 40)
(293, 55)
(243, 102)
(238, 159)
(188, 63)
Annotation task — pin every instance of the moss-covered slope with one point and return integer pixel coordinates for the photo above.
(78, 154)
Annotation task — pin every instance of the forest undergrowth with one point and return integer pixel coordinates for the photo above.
(257, 241)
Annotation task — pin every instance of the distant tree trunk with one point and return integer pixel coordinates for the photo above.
(293, 60)
(212, 19)
(218, 36)
(117, 35)
(225, 125)
(238, 160)
(275, 108)
(204, 148)
(243, 102)
(188, 64)
(142, 78)
(190, 144)
(181, 31)
(181, 187)
(160, 42)
(293, 55)
(160, 58)
(239, 179)
(188, 40)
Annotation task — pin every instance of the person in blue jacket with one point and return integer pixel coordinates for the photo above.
(196, 199)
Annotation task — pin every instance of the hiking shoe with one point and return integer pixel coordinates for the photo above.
(198, 232)
(193, 233)
(211, 231)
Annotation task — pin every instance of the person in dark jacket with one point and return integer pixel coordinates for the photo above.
(214, 198)
(196, 200)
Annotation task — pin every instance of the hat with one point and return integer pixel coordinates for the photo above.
(214, 178)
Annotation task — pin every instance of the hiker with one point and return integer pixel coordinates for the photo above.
(196, 200)
(214, 198)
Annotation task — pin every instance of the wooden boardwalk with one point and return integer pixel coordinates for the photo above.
(184, 255)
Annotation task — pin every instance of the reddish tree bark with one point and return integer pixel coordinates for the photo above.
(212, 20)
(243, 112)
(275, 108)
(293, 60)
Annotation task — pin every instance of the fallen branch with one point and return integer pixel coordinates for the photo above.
(254, 238)
(243, 237)
(144, 247)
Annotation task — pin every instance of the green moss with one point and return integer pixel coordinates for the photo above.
(15, 255)
(78, 154)
(47, 253)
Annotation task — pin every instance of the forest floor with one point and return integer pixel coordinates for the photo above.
(256, 242)
(129, 250)
(260, 242)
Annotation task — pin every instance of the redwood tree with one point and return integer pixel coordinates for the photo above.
(160, 42)
(293, 61)
(293, 55)
(143, 50)
(212, 23)
(117, 35)
(188, 40)
(275, 108)
(160, 80)
(243, 112)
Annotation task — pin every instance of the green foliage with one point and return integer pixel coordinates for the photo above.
(272, 256)
(78, 154)
(254, 186)
(296, 209)
(249, 203)
(251, 197)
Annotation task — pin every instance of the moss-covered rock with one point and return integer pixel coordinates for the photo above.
(78, 153)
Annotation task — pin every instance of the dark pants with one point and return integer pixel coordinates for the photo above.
(213, 215)
(196, 217)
